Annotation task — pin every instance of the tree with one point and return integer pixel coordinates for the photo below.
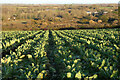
(104, 18)
(110, 20)
(28, 17)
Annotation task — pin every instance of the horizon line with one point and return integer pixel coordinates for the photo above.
(60, 3)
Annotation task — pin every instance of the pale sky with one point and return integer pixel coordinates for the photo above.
(58, 1)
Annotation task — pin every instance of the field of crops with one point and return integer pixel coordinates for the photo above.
(52, 55)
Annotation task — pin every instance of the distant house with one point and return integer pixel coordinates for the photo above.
(96, 12)
(88, 12)
(9, 19)
(105, 12)
(14, 18)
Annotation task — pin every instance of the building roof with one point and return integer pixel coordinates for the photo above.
(96, 12)
(105, 12)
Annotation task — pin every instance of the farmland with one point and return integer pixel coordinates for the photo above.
(61, 54)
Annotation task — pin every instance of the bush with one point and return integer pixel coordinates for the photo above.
(24, 22)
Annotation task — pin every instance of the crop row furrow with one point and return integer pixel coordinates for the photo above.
(87, 56)
(29, 60)
(15, 43)
(89, 43)
(7, 36)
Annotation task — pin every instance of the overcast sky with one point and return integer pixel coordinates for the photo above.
(58, 1)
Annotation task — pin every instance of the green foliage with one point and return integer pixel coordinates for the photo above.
(104, 18)
(75, 54)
